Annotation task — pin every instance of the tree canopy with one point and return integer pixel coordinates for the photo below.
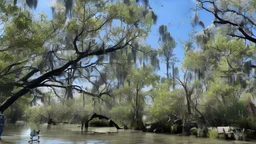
(93, 57)
(42, 52)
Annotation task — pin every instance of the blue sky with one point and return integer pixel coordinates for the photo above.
(173, 13)
(176, 15)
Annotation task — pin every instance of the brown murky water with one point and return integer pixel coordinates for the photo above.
(71, 134)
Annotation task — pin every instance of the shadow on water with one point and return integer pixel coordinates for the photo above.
(71, 134)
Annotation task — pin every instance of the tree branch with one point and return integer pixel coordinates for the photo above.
(222, 21)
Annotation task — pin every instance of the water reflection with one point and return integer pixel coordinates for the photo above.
(71, 134)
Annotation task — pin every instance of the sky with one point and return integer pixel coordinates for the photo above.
(175, 14)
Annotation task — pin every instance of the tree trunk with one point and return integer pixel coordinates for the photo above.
(167, 70)
(137, 108)
(70, 79)
(83, 101)
(188, 104)
(9, 101)
(173, 75)
(186, 125)
(84, 123)
(33, 84)
(187, 122)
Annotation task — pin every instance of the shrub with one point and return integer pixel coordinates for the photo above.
(202, 132)
(193, 131)
(99, 123)
(176, 129)
(213, 134)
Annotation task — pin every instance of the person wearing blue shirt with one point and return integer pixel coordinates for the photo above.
(2, 122)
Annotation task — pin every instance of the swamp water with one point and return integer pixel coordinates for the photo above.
(71, 134)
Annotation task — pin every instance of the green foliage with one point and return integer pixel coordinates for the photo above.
(17, 110)
(166, 102)
(226, 13)
(247, 122)
(122, 113)
(130, 100)
(194, 60)
(193, 131)
(220, 90)
(37, 51)
(217, 84)
(99, 123)
(212, 134)
(174, 128)
(64, 111)
(142, 77)
(34, 114)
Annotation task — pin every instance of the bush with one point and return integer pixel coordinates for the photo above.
(202, 132)
(35, 115)
(99, 123)
(122, 114)
(213, 134)
(193, 131)
(247, 123)
(176, 129)
(251, 134)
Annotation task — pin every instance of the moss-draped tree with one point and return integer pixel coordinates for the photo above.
(80, 42)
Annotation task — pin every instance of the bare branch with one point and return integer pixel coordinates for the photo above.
(76, 39)
(223, 21)
(9, 67)
(26, 77)
(76, 87)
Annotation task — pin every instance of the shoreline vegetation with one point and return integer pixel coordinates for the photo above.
(90, 62)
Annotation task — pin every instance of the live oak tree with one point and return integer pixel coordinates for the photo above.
(77, 43)
(68, 4)
(235, 18)
(229, 76)
(226, 59)
(66, 7)
(225, 64)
